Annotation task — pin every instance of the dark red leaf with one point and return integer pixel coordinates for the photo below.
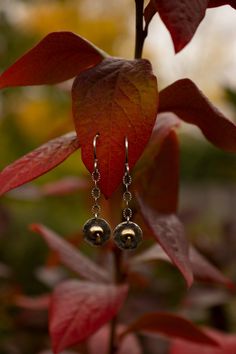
(117, 98)
(185, 100)
(169, 232)
(202, 269)
(70, 256)
(100, 339)
(181, 18)
(38, 162)
(58, 57)
(170, 325)
(215, 3)
(227, 345)
(158, 181)
(79, 309)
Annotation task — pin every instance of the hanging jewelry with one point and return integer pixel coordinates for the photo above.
(96, 230)
(127, 235)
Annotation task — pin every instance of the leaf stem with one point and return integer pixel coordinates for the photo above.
(140, 30)
(113, 347)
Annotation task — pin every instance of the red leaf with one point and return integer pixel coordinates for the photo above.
(181, 18)
(100, 340)
(201, 267)
(169, 232)
(185, 100)
(79, 309)
(170, 325)
(58, 57)
(38, 162)
(117, 98)
(70, 256)
(158, 180)
(227, 345)
(215, 3)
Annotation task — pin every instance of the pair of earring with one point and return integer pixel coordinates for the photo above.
(127, 235)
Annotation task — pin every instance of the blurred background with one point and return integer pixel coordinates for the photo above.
(32, 115)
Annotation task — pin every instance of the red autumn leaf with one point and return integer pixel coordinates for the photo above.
(170, 325)
(70, 256)
(227, 345)
(202, 269)
(117, 98)
(215, 3)
(101, 338)
(158, 181)
(169, 232)
(58, 57)
(78, 309)
(38, 162)
(181, 18)
(185, 100)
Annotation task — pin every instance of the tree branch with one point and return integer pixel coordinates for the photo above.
(140, 32)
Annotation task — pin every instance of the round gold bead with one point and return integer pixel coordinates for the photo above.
(128, 235)
(96, 231)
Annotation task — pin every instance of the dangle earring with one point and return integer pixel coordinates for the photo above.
(96, 230)
(127, 235)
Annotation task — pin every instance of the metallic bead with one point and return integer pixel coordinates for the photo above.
(128, 235)
(96, 231)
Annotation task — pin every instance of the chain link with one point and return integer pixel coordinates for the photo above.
(127, 195)
(96, 190)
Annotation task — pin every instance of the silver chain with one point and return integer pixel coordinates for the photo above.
(96, 178)
(96, 190)
(127, 195)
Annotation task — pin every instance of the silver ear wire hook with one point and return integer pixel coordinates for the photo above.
(126, 154)
(95, 150)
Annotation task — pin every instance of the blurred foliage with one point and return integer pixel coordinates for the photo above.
(29, 117)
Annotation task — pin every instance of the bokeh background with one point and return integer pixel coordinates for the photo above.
(30, 116)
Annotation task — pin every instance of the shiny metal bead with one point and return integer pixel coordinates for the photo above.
(128, 235)
(96, 231)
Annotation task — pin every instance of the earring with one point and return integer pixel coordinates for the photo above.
(96, 230)
(127, 235)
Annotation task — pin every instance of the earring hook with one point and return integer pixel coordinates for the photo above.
(126, 150)
(95, 146)
(126, 155)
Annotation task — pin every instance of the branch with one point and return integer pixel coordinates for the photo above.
(140, 32)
